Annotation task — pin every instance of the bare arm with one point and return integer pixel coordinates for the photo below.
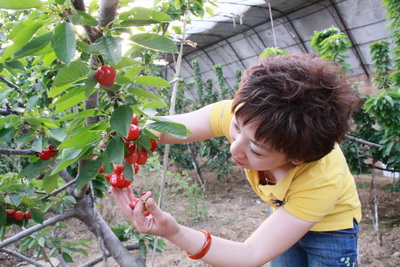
(198, 122)
(274, 236)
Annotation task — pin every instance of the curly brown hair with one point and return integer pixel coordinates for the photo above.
(301, 104)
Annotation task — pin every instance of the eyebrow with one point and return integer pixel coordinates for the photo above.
(236, 123)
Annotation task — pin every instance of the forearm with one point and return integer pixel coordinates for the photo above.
(221, 253)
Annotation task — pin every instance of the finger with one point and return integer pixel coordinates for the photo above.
(129, 192)
(120, 199)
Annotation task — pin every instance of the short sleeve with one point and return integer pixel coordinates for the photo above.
(220, 118)
(315, 193)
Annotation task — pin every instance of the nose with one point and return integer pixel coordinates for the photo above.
(237, 148)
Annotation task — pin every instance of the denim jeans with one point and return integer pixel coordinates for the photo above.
(318, 249)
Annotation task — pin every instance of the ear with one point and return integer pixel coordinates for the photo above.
(296, 162)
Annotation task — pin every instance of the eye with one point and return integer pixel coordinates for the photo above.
(236, 127)
(254, 152)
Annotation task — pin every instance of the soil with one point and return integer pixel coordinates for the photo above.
(234, 212)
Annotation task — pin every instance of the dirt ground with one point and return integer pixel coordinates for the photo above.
(234, 212)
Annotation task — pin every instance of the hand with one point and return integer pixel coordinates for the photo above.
(157, 223)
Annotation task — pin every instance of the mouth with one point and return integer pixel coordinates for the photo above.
(237, 161)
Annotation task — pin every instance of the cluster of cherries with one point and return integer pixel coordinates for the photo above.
(135, 156)
(18, 214)
(49, 152)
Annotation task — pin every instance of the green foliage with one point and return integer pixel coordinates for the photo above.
(144, 241)
(183, 185)
(332, 44)
(49, 242)
(382, 63)
(393, 11)
(273, 51)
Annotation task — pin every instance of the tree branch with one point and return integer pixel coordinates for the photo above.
(22, 257)
(58, 190)
(11, 84)
(68, 214)
(99, 258)
(362, 141)
(8, 151)
(120, 254)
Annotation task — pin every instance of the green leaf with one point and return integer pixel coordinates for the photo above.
(171, 128)
(72, 98)
(81, 139)
(36, 215)
(115, 150)
(67, 257)
(20, 35)
(82, 114)
(58, 134)
(21, 4)
(126, 62)
(140, 16)
(13, 199)
(55, 91)
(64, 42)
(121, 119)
(33, 170)
(132, 72)
(143, 93)
(109, 47)
(68, 74)
(68, 156)
(3, 215)
(154, 104)
(151, 81)
(82, 18)
(128, 172)
(50, 183)
(33, 46)
(88, 172)
(155, 42)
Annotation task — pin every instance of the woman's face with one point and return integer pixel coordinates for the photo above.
(250, 154)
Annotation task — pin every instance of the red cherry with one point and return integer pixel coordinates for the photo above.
(130, 147)
(133, 133)
(133, 202)
(118, 169)
(117, 180)
(153, 145)
(10, 213)
(19, 215)
(136, 167)
(132, 157)
(128, 183)
(107, 176)
(135, 119)
(52, 148)
(46, 154)
(28, 215)
(142, 157)
(146, 213)
(106, 75)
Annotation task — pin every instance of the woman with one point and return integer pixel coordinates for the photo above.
(284, 125)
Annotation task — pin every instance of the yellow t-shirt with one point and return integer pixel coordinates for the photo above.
(322, 191)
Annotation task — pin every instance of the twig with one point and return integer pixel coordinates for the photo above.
(11, 84)
(100, 258)
(70, 213)
(362, 141)
(9, 151)
(22, 257)
(58, 190)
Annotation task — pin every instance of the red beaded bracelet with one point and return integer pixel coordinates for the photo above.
(203, 251)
